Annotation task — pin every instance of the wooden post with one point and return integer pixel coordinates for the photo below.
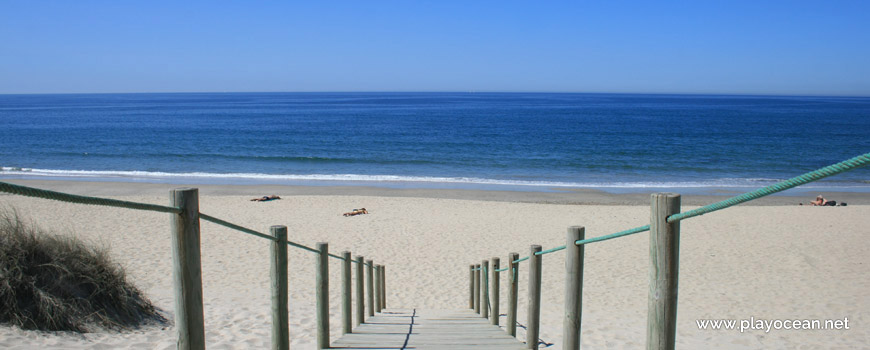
(278, 271)
(534, 317)
(484, 282)
(664, 256)
(494, 291)
(360, 291)
(377, 288)
(370, 287)
(187, 269)
(512, 293)
(322, 296)
(346, 314)
(477, 288)
(573, 288)
(383, 286)
(471, 286)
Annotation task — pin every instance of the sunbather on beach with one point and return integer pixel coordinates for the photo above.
(356, 212)
(265, 198)
(820, 201)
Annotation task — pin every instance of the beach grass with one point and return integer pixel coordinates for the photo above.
(54, 282)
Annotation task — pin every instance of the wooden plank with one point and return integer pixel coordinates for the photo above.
(427, 329)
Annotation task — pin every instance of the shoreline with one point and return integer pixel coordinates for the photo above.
(552, 196)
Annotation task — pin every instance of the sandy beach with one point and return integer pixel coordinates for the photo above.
(772, 260)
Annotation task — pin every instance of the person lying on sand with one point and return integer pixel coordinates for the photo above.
(265, 198)
(356, 212)
(822, 202)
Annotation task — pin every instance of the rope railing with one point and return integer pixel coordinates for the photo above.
(667, 209)
(242, 229)
(190, 326)
(811, 176)
(72, 198)
(815, 175)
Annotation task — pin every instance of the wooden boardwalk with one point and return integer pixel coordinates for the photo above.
(428, 329)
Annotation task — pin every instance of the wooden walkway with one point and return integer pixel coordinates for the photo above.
(428, 329)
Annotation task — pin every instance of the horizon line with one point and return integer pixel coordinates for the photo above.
(442, 92)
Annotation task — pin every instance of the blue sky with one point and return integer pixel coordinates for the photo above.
(732, 47)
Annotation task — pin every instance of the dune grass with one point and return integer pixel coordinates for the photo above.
(51, 282)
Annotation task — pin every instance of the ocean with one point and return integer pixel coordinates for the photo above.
(513, 141)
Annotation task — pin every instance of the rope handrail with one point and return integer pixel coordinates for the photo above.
(72, 198)
(846, 165)
(548, 251)
(628, 232)
(811, 176)
(235, 227)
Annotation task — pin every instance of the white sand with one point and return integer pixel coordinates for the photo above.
(766, 262)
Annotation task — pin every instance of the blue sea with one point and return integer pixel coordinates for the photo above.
(515, 141)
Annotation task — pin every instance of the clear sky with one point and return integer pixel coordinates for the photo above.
(735, 47)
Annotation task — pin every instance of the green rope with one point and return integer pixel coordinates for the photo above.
(71, 198)
(235, 227)
(335, 256)
(550, 250)
(830, 170)
(503, 269)
(363, 263)
(521, 259)
(614, 235)
(251, 232)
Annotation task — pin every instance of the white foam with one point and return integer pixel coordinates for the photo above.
(152, 175)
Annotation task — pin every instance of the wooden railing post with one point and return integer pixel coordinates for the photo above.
(360, 291)
(278, 271)
(187, 269)
(484, 282)
(370, 288)
(573, 288)
(346, 313)
(471, 286)
(377, 288)
(514, 271)
(477, 288)
(664, 255)
(495, 292)
(322, 296)
(533, 325)
(383, 286)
